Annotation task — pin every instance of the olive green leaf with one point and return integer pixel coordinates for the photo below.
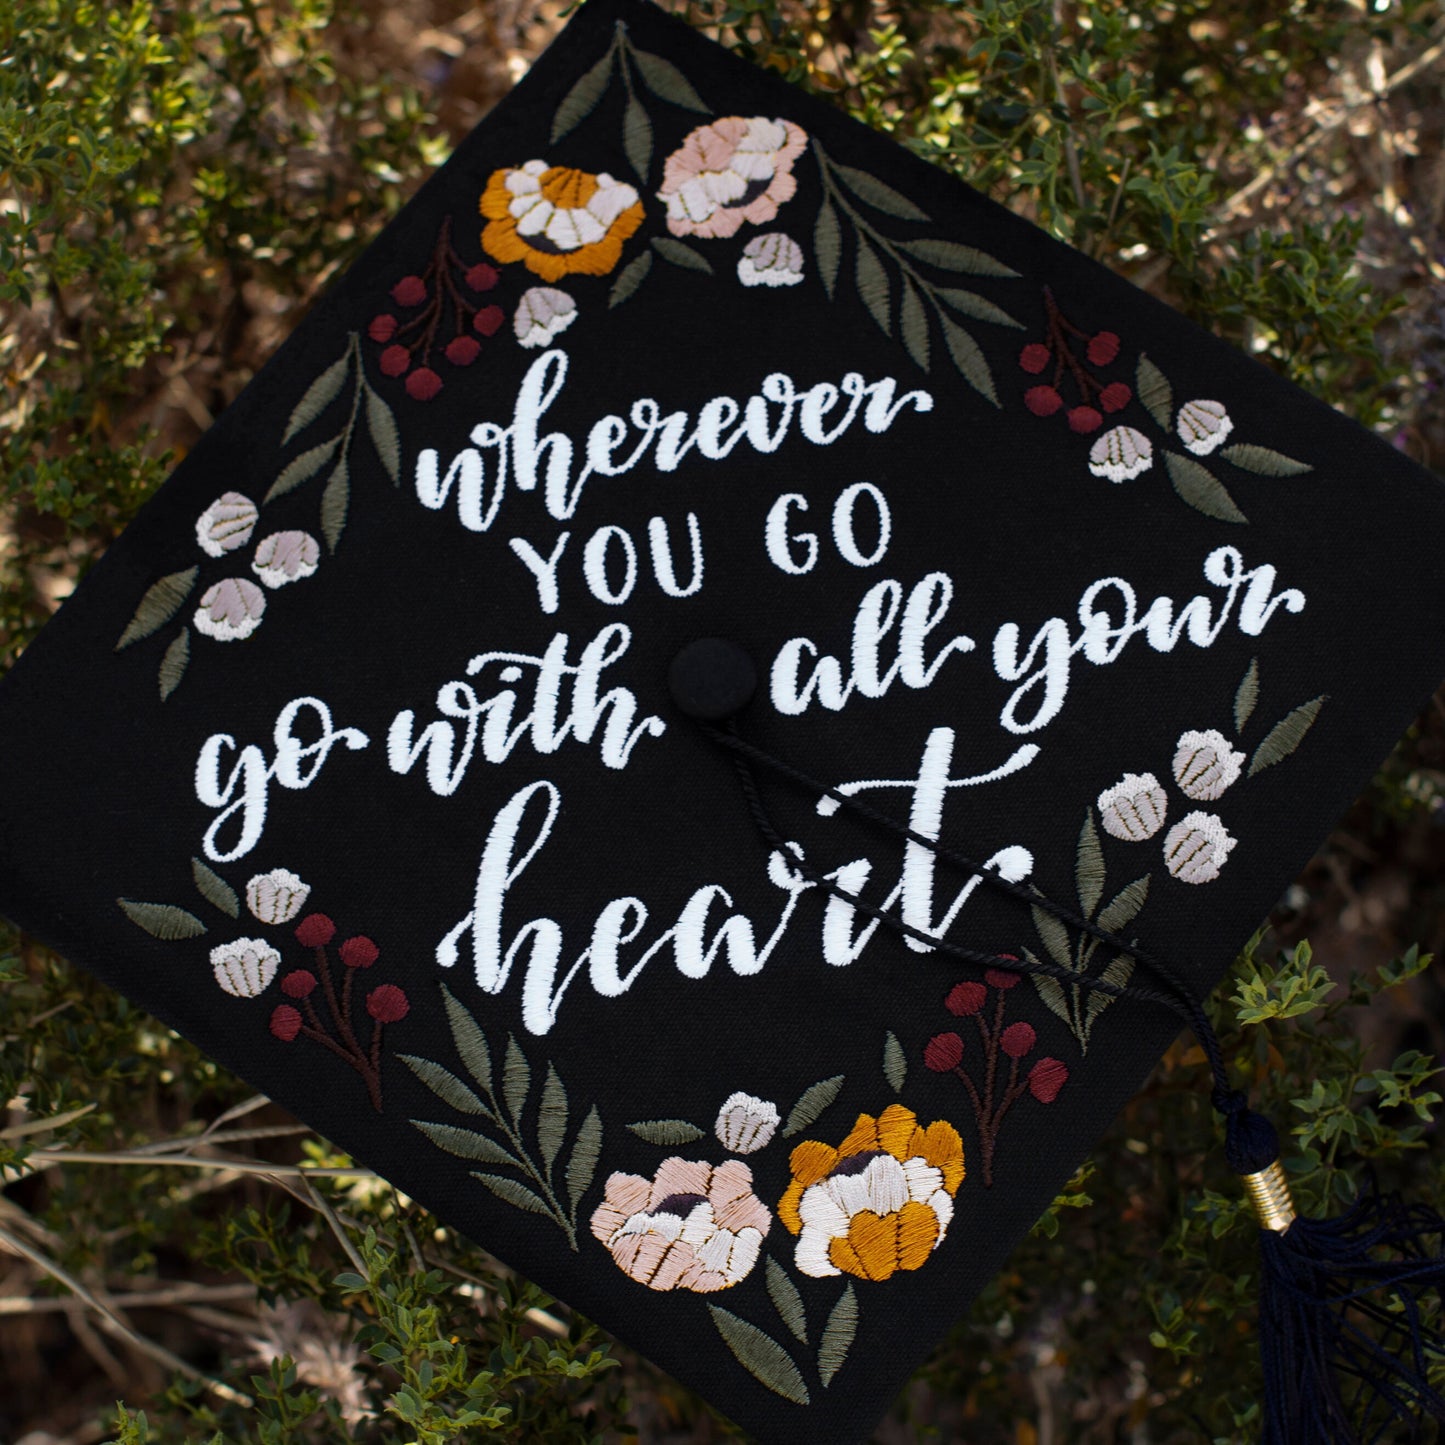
(971, 304)
(1201, 489)
(162, 920)
(334, 501)
(637, 137)
(873, 287)
(876, 193)
(681, 255)
(586, 1150)
(1156, 396)
(669, 1132)
(1286, 735)
(667, 82)
(1055, 937)
(516, 1079)
(760, 1355)
(1118, 973)
(913, 323)
(786, 1300)
(1264, 462)
(174, 663)
(384, 436)
(161, 602)
(445, 1085)
(838, 1336)
(632, 275)
(319, 395)
(968, 358)
(1120, 911)
(214, 889)
(827, 246)
(511, 1192)
(1246, 695)
(811, 1103)
(301, 469)
(467, 1144)
(895, 1065)
(551, 1119)
(1089, 866)
(470, 1041)
(952, 256)
(582, 99)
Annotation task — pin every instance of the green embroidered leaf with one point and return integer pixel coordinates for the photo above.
(173, 665)
(632, 275)
(445, 1085)
(162, 920)
(787, 1301)
(301, 469)
(1051, 991)
(586, 1151)
(1264, 462)
(667, 82)
(512, 1192)
(1201, 489)
(551, 1120)
(760, 1355)
(1122, 908)
(161, 602)
(582, 99)
(681, 255)
(913, 323)
(670, 1132)
(827, 246)
(1286, 735)
(812, 1103)
(319, 395)
(334, 502)
(838, 1336)
(467, 1144)
(1055, 937)
(470, 1041)
(895, 1065)
(878, 194)
(971, 304)
(214, 889)
(1155, 394)
(384, 436)
(637, 137)
(968, 358)
(516, 1079)
(1089, 866)
(1119, 972)
(873, 287)
(1246, 695)
(951, 256)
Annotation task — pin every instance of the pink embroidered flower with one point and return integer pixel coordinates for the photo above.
(1134, 808)
(286, 557)
(246, 967)
(694, 1226)
(231, 610)
(728, 172)
(771, 259)
(1205, 766)
(226, 524)
(1196, 847)
(277, 896)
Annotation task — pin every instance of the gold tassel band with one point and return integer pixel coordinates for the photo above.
(1269, 1193)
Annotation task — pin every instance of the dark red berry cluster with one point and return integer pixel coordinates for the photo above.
(1095, 395)
(408, 344)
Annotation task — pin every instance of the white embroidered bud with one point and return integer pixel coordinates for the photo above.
(1203, 426)
(1196, 847)
(1133, 809)
(277, 896)
(543, 313)
(231, 610)
(1205, 765)
(771, 260)
(226, 524)
(245, 967)
(1121, 454)
(286, 557)
(745, 1124)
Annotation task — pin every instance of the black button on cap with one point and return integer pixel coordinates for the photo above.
(712, 679)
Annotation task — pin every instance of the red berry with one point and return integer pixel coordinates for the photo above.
(1034, 357)
(382, 327)
(1018, 1039)
(1042, 400)
(315, 931)
(1001, 977)
(488, 321)
(965, 999)
(482, 277)
(942, 1052)
(298, 983)
(463, 350)
(394, 360)
(409, 291)
(1085, 419)
(359, 952)
(423, 384)
(285, 1022)
(1115, 396)
(1103, 348)
(387, 1004)
(1046, 1078)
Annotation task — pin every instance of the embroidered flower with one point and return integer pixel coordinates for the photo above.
(1120, 454)
(771, 260)
(1205, 765)
(231, 610)
(245, 967)
(277, 896)
(226, 524)
(1133, 809)
(286, 557)
(728, 172)
(746, 1124)
(1203, 426)
(878, 1203)
(1196, 847)
(557, 220)
(542, 313)
(694, 1226)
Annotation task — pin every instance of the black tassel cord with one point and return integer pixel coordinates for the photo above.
(1346, 1352)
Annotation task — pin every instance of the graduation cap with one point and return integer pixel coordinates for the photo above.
(710, 714)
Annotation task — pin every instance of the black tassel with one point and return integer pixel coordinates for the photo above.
(1346, 1353)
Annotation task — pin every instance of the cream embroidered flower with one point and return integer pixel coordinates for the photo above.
(244, 968)
(1134, 808)
(226, 524)
(543, 313)
(231, 610)
(1205, 766)
(731, 171)
(1203, 426)
(1196, 847)
(1120, 454)
(746, 1124)
(694, 1226)
(772, 259)
(286, 557)
(277, 896)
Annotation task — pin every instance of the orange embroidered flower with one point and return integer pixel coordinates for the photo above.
(556, 220)
(880, 1202)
